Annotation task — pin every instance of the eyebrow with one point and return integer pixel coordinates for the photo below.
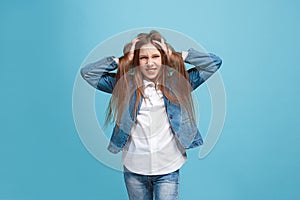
(143, 55)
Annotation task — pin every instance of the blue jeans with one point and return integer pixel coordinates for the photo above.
(144, 187)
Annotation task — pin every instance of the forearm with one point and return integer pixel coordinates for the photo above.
(206, 64)
(94, 71)
(203, 61)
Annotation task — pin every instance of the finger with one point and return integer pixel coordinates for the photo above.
(133, 42)
(163, 46)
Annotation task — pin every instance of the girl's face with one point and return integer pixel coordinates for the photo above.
(150, 62)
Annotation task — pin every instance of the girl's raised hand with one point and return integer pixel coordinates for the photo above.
(131, 52)
(164, 46)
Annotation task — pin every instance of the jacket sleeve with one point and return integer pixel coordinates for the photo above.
(98, 74)
(206, 64)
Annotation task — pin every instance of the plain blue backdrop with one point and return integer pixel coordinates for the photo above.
(43, 43)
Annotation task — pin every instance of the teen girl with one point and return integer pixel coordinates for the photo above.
(152, 107)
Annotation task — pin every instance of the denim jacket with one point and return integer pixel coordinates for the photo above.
(100, 75)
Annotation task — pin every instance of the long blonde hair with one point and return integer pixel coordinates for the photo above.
(173, 80)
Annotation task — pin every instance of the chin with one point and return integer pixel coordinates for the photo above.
(151, 78)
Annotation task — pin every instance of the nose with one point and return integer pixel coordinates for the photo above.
(150, 62)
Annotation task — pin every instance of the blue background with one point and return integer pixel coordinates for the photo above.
(43, 44)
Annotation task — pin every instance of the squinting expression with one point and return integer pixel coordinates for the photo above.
(150, 62)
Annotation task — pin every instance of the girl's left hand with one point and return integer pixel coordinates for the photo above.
(164, 46)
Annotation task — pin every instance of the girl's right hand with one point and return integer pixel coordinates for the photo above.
(131, 52)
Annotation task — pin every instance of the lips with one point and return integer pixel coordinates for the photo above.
(151, 69)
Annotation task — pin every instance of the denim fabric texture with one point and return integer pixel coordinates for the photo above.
(100, 75)
(158, 187)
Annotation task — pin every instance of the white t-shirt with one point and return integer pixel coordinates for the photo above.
(152, 148)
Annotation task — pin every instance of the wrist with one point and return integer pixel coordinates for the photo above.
(184, 54)
(116, 59)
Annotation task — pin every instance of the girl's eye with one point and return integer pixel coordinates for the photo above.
(155, 56)
(143, 58)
